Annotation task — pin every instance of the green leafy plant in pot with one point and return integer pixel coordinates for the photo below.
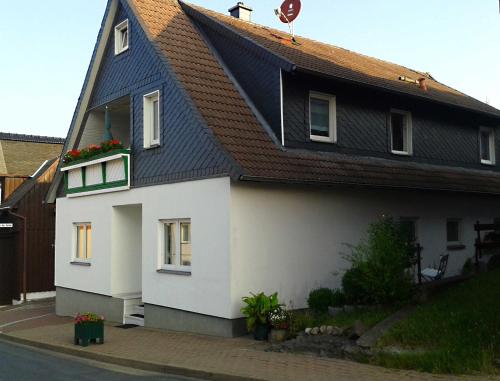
(256, 310)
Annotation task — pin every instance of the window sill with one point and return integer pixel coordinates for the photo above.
(487, 162)
(174, 272)
(119, 52)
(78, 263)
(455, 246)
(320, 139)
(401, 153)
(153, 146)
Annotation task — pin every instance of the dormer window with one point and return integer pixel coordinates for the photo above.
(400, 131)
(487, 145)
(121, 37)
(322, 117)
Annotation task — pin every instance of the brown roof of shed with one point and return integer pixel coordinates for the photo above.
(234, 125)
(22, 155)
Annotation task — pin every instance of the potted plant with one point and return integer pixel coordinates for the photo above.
(257, 310)
(89, 327)
(280, 324)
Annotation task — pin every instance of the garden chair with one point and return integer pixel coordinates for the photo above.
(432, 274)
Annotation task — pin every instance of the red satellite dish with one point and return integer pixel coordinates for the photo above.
(290, 10)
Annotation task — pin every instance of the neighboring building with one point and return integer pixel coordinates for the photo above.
(27, 236)
(21, 156)
(253, 161)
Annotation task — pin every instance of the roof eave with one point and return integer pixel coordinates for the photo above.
(329, 183)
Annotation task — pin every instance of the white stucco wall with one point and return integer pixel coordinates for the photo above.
(205, 202)
(292, 240)
(246, 238)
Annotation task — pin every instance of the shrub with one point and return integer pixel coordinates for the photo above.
(320, 299)
(468, 267)
(338, 298)
(354, 288)
(379, 270)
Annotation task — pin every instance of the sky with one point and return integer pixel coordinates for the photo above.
(46, 47)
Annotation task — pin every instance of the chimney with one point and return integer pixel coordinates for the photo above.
(241, 11)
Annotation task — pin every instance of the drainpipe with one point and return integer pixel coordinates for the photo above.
(25, 252)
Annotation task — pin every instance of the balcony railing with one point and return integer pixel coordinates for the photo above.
(107, 172)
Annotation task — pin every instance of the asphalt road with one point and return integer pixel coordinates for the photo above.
(19, 363)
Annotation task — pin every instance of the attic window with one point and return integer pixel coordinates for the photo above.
(121, 37)
(487, 145)
(400, 131)
(322, 117)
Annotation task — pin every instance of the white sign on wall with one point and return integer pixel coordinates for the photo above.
(6, 225)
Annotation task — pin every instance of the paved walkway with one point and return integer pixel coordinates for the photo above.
(202, 356)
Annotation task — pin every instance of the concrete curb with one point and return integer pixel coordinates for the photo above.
(129, 363)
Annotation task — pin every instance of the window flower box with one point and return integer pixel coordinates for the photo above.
(100, 173)
(89, 328)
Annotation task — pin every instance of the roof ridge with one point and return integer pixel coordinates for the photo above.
(31, 138)
(269, 28)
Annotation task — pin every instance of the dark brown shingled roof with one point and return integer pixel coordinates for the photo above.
(341, 63)
(234, 125)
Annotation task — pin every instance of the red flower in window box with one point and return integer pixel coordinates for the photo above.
(92, 150)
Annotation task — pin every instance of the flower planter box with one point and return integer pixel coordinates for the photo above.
(106, 172)
(86, 333)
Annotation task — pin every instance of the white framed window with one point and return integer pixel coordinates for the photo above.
(400, 127)
(83, 242)
(151, 121)
(122, 36)
(175, 245)
(322, 117)
(487, 145)
(454, 231)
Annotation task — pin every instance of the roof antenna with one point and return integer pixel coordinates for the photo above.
(287, 13)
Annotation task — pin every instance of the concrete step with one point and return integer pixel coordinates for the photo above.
(139, 309)
(137, 319)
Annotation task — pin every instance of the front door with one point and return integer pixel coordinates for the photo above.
(8, 268)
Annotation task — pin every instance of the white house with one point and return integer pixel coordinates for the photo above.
(250, 162)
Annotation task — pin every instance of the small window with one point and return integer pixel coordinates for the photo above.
(487, 145)
(453, 231)
(322, 117)
(176, 251)
(401, 134)
(83, 242)
(409, 229)
(121, 37)
(152, 119)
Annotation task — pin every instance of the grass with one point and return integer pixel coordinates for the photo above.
(457, 332)
(302, 320)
